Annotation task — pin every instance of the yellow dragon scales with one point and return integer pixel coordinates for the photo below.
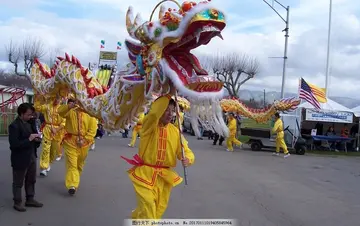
(160, 52)
(259, 115)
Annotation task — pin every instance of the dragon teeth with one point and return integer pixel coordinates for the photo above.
(220, 36)
(198, 37)
(209, 28)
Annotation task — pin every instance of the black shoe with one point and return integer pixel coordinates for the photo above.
(220, 144)
(33, 203)
(19, 207)
(72, 191)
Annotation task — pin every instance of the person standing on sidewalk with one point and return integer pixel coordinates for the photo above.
(24, 140)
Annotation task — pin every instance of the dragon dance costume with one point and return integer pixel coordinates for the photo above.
(161, 56)
(80, 132)
(231, 140)
(153, 176)
(280, 142)
(137, 130)
(53, 133)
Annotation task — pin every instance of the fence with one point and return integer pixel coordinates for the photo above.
(5, 120)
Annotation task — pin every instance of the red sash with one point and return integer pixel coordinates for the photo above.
(137, 161)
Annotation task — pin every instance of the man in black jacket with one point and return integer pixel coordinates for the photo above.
(216, 136)
(24, 140)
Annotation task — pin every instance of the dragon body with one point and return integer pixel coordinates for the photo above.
(259, 115)
(160, 55)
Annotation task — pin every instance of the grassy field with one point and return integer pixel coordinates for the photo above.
(249, 123)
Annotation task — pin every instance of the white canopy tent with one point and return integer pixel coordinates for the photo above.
(334, 108)
(356, 111)
(330, 105)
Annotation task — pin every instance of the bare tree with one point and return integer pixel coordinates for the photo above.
(13, 52)
(252, 103)
(32, 48)
(233, 69)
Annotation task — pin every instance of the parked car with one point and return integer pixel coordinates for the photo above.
(187, 127)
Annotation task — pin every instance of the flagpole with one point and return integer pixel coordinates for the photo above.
(99, 54)
(299, 88)
(328, 53)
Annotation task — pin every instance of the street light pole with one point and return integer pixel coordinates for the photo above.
(285, 52)
(286, 21)
(328, 53)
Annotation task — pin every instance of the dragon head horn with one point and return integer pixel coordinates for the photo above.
(36, 60)
(162, 12)
(131, 24)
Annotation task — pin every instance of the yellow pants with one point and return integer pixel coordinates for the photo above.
(280, 143)
(232, 141)
(152, 203)
(60, 152)
(50, 150)
(134, 135)
(75, 161)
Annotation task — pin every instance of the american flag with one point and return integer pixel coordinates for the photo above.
(306, 93)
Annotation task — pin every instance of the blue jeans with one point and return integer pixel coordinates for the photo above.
(201, 130)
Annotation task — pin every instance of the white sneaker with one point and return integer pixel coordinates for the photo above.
(228, 150)
(48, 169)
(276, 154)
(130, 145)
(92, 147)
(43, 173)
(287, 155)
(58, 158)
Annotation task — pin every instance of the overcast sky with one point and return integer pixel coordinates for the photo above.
(77, 26)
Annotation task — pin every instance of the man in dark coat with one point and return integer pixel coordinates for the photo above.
(24, 139)
(216, 136)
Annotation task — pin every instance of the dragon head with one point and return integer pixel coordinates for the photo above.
(161, 50)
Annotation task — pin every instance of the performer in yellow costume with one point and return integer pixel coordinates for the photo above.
(92, 147)
(137, 130)
(153, 176)
(53, 133)
(231, 140)
(80, 132)
(279, 130)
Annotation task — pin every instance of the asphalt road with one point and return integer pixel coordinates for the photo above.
(253, 187)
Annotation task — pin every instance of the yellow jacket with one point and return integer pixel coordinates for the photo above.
(52, 120)
(159, 146)
(78, 125)
(139, 123)
(278, 129)
(232, 125)
(141, 119)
